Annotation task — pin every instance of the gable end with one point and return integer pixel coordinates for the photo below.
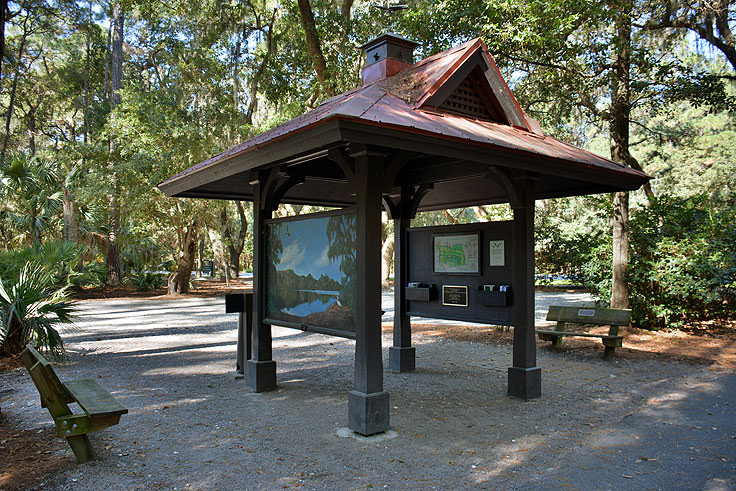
(476, 89)
(470, 99)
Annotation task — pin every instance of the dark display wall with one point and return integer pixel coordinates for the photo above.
(445, 256)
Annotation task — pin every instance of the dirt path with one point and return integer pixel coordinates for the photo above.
(192, 426)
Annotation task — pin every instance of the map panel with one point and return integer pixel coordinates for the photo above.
(456, 253)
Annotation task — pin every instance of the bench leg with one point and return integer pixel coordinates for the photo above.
(557, 342)
(81, 447)
(609, 352)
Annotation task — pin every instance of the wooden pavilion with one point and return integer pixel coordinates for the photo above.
(444, 132)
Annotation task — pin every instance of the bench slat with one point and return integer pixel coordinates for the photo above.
(93, 398)
(589, 315)
(581, 334)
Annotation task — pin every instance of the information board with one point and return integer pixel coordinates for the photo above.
(461, 272)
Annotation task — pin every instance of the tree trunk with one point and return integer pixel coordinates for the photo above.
(387, 256)
(106, 80)
(345, 8)
(620, 289)
(71, 220)
(313, 45)
(14, 89)
(116, 79)
(454, 220)
(86, 75)
(31, 129)
(236, 73)
(255, 79)
(179, 281)
(200, 257)
(620, 114)
(3, 11)
(234, 245)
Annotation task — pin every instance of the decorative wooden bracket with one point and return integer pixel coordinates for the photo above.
(341, 157)
(393, 167)
(282, 188)
(391, 207)
(276, 184)
(411, 207)
(511, 184)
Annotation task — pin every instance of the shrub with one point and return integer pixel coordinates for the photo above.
(561, 252)
(682, 265)
(92, 274)
(146, 280)
(55, 257)
(30, 310)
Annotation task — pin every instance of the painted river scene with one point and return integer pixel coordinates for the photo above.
(311, 265)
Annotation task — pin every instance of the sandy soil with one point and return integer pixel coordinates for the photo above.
(201, 287)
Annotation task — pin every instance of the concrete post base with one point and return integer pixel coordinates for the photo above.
(525, 383)
(261, 375)
(401, 359)
(368, 414)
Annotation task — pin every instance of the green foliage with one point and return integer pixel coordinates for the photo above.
(91, 275)
(558, 252)
(566, 231)
(690, 151)
(200, 78)
(147, 280)
(31, 309)
(54, 257)
(682, 265)
(29, 188)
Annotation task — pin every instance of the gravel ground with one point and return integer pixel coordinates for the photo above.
(627, 424)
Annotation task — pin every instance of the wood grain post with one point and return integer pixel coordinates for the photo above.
(245, 333)
(525, 379)
(261, 371)
(81, 448)
(242, 303)
(368, 404)
(402, 355)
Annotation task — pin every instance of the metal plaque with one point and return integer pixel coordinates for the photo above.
(586, 312)
(456, 296)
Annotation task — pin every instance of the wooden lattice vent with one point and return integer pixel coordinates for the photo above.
(466, 100)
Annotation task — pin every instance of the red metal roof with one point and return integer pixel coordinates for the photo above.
(397, 102)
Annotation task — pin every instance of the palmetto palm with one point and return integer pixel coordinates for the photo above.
(30, 311)
(31, 197)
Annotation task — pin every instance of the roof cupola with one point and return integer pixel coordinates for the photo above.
(386, 55)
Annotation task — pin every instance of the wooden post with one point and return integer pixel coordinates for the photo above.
(368, 404)
(242, 303)
(81, 447)
(261, 372)
(525, 379)
(245, 333)
(402, 355)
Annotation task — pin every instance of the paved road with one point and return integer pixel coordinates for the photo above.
(685, 439)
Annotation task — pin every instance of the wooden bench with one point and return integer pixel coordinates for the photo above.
(100, 408)
(589, 316)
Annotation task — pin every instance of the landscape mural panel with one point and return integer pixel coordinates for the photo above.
(311, 270)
